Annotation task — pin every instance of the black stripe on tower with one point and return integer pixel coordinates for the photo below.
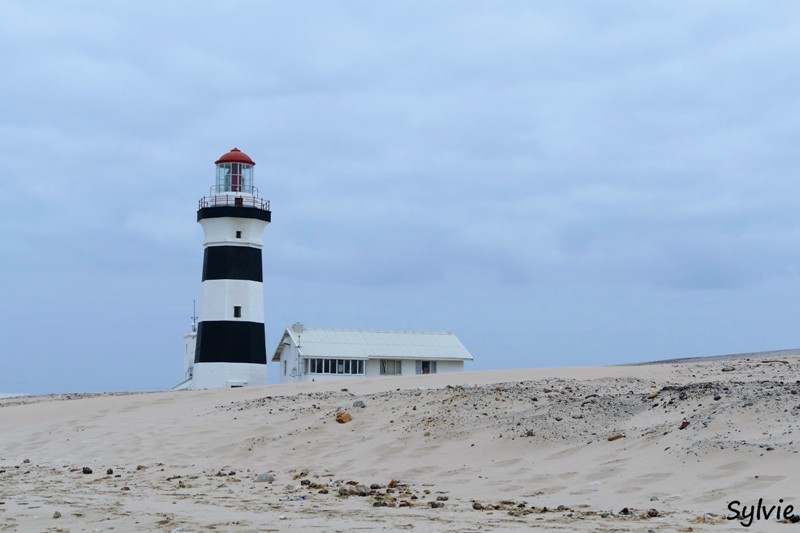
(232, 262)
(221, 341)
(234, 212)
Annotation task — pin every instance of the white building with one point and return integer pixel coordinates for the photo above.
(318, 354)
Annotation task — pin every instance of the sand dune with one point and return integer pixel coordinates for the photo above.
(590, 449)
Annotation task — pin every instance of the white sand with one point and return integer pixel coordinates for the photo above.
(187, 461)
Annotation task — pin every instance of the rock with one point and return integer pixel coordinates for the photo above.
(625, 511)
(343, 417)
(684, 424)
(653, 498)
(559, 419)
(794, 519)
(652, 395)
(652, 513)
(717, 397)
(376, 486)
(87, 470)
(529, 433)
(615, 436)
(436, 505)
(26, 461)
(359, 404)
(442, 498)
(57, 514)
(265, 477)
(109, 472)
(477, 506)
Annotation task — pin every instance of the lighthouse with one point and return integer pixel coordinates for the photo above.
(230, 346)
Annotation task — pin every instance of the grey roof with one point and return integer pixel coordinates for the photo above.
(369, 344)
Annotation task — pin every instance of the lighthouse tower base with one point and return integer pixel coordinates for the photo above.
(227, 375)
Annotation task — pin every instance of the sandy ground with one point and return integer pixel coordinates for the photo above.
(586, 449)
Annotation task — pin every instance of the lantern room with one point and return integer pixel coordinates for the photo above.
(235, 173)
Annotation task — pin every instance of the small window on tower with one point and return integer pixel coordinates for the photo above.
(237, 311)
(238, 234)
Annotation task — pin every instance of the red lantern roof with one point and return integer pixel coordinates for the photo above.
(235, 156)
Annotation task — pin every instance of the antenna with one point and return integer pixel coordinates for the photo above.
(194, 316)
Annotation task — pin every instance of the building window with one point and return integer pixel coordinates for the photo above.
(237, 311)
(426, 367)
(285, 366)
(335, 366)
(238, 234)
(391, 367)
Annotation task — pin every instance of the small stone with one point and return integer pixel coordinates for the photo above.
(87, 470)
(653, 498)
(559, 419)
(625, 511)
(442, 498)
(436, 505)
(57, 514)
(652, 513)
(109, 472)
(616, 436)
(717, 397)
(26, 461)
(265, 477)
(477, 506)
(530, 433)
(794, 519)
(684, 424)
(343, 417)
(359, 403)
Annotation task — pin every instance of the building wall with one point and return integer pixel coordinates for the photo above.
(224, 375)
(372, 368)
(189, 342)
(446, 367)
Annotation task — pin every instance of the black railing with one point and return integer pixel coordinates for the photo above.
(230, 200)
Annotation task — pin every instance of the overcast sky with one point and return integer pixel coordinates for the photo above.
(558, 183)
